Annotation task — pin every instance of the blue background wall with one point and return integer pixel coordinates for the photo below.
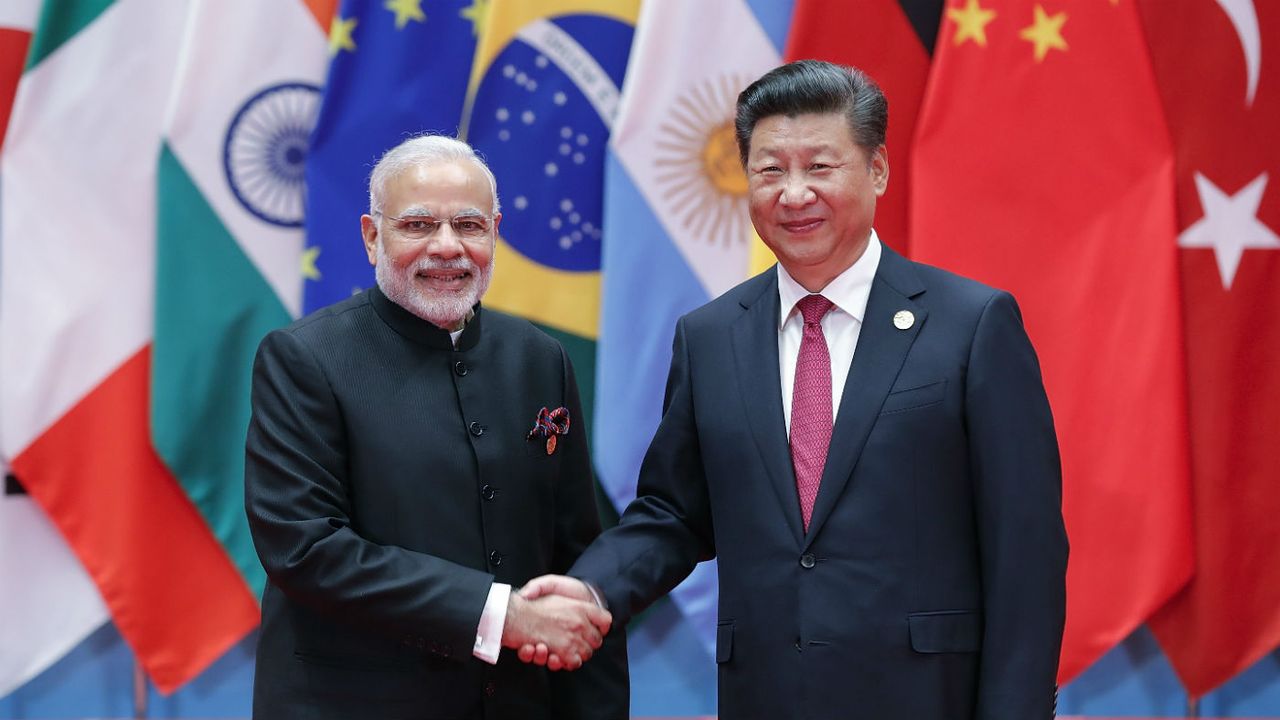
(671, 676)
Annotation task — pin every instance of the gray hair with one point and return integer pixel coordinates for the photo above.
(422, 150)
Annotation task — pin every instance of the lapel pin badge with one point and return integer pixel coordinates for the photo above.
(903, 319)
(549, 424)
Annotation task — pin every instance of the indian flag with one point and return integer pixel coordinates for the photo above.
(58, 605)
(229, 239)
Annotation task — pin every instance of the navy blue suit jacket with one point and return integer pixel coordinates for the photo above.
(931, 582)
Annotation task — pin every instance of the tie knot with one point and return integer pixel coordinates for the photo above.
(813, 308)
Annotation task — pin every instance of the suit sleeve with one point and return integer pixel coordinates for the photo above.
(297, 496)
(1022, 540)
(600, 689)
(666, 530)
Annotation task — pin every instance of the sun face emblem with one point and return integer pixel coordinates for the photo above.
(720, 162)
(700, 177)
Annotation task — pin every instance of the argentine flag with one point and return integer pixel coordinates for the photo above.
(676, 230)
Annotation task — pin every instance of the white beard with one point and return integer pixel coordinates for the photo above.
(444, 309)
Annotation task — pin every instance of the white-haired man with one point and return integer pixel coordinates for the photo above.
(411, 456)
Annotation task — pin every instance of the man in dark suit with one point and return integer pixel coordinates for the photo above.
(865, 445)
(411, 456)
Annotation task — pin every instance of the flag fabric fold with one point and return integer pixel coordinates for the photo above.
(676, 227)
(543, 97)
(229, 240)
(77, 259)
(1228, 190)
(59, 605)
(1043, 166)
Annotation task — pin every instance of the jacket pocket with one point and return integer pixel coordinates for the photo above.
(916, 397)
(946, 631)
(724, 641)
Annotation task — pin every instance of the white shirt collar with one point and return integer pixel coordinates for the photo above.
(848, 291)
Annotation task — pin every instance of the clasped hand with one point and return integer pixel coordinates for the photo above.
(554, 621)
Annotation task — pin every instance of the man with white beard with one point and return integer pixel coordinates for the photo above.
(411, 457)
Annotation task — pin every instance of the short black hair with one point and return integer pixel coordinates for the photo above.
(814, 86)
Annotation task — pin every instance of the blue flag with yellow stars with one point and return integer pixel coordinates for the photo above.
(543, 95)
(398, 68)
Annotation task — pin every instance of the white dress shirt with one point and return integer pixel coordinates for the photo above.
(849, 292)
(492, 619)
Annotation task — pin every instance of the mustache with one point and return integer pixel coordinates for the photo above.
(461, 263)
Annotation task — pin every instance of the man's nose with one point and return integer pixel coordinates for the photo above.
(446, 243)
(796, 191)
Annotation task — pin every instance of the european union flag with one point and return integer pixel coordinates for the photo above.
(399, 68)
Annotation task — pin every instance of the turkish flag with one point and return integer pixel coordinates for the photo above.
(891, 41)
(1043, 166)
(1216, 65)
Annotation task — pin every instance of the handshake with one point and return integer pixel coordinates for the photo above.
(555, 621)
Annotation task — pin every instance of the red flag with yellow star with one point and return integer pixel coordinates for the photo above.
(1228, 169)
(1044, 166)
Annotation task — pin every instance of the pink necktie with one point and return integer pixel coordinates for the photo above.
(811, 416)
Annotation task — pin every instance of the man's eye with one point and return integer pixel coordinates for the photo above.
(470, 226)
(419, 225)
(771, 170)
(819, 166)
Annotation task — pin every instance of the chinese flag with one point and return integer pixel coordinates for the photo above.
(1044, 166)
(891, 40)
(1216, 67)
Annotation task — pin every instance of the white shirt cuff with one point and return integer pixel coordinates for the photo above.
(596, 595)
(492, 620)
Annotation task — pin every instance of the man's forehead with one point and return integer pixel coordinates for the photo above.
(457, 184)
(427, 209)
(806, 131)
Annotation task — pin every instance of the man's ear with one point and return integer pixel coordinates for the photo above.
(880, 170)
(369, 231)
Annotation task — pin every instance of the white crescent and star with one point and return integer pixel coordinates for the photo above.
(1230, 224)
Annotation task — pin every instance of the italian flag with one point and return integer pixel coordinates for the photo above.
(58, 605)
(118, 389)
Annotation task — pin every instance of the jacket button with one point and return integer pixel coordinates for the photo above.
(807, 561)
(460, 368)
(487, 492)
(490, 688)
(476, 428)
(495, 558)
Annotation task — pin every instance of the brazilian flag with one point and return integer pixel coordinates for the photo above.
(543, 96)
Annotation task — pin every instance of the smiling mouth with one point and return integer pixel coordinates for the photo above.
(445, 279)
(801, 226)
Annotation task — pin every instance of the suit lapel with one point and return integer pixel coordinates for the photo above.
(755, 351)
(879, 355)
